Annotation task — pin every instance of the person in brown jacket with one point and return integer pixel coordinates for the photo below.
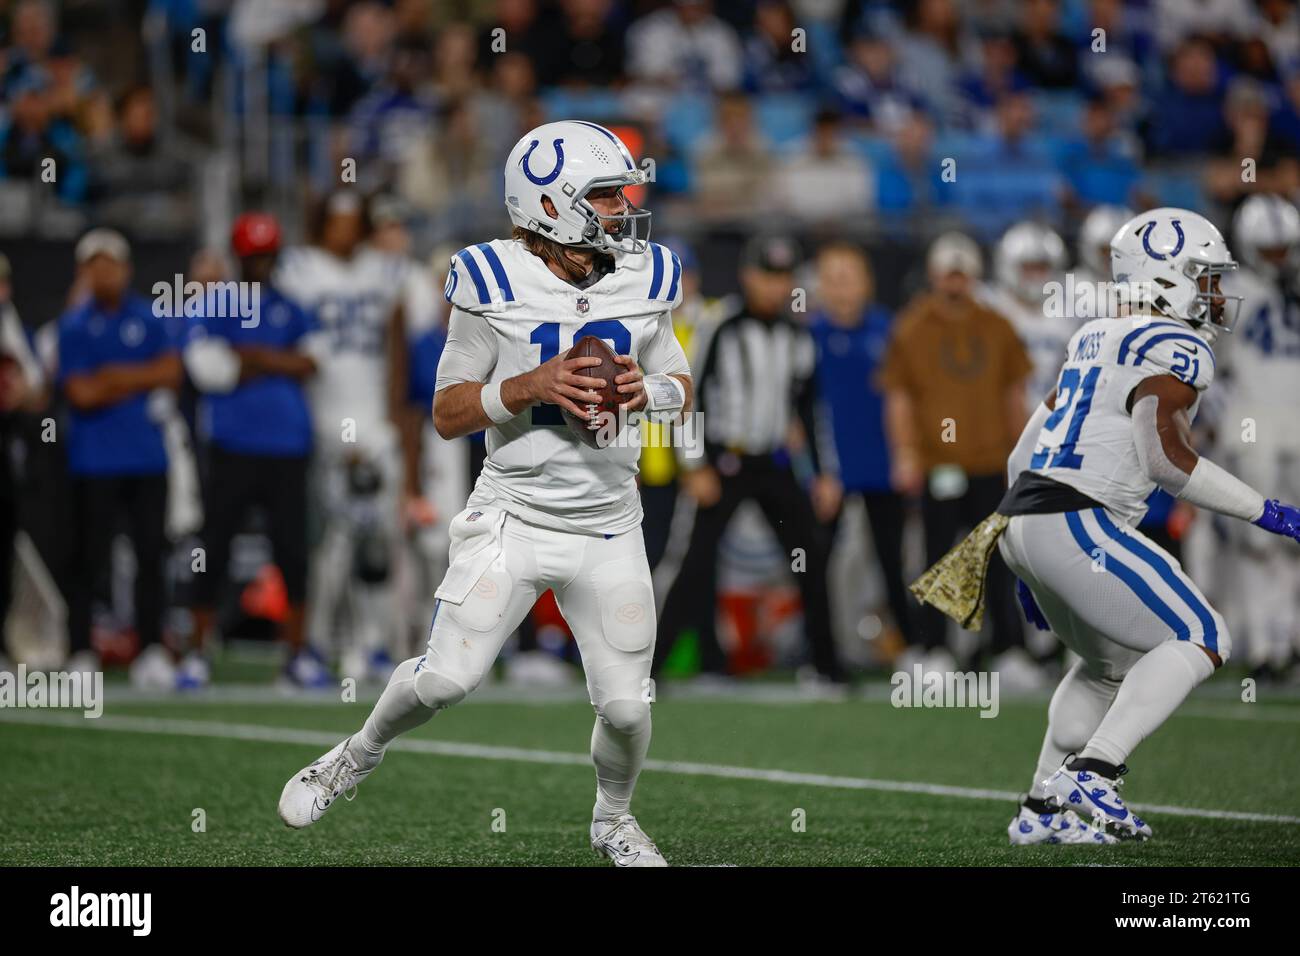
(954, 382)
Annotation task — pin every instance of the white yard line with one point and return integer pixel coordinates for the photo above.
(325, 739)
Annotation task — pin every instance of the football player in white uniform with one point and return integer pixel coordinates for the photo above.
(1094, 253)
(1258, 431)
(1113, 429)
(1028, 256)
(548, 511)
(357, 474)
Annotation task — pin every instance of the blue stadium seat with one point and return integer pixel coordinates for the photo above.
(784, 118)
(687, 119)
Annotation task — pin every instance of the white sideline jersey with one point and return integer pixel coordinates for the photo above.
(510, 314)
(1087, 442)
(1044, 336)
(1262, 360)
(353, 299)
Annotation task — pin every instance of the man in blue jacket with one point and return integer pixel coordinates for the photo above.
(113, 353)
(852, 335)
(255, 419)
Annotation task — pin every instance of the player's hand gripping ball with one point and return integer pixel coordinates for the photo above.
(596, 430)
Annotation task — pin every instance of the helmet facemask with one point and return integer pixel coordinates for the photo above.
(633, 232)
(1210, 307)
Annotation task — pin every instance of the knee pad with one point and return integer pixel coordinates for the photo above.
(437, 692)
(627, 608)
(627, 717)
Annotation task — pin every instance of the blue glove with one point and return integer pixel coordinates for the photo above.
(1280, 519)
(1033, 614)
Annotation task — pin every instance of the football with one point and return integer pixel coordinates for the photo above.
(591, 433)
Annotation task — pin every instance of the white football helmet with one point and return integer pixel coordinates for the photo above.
(1166, 252)
(565, 161)
(1095, 235)
(1265, 221)
(1024, 245)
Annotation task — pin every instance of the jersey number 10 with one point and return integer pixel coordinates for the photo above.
(547, 335)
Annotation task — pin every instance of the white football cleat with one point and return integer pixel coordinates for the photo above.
(1092, 795)
(1028, 828)
(315, 788)
(624, 842)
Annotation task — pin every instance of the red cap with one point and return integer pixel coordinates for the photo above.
(255, 233)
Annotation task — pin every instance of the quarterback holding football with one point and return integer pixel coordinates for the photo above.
(551, 508)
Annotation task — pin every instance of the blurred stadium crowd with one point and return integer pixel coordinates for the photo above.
(865, 128)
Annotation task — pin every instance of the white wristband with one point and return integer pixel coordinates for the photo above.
(496, 409)
(663, 393)
(1209, 486)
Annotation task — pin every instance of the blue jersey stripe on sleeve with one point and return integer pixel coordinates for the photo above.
(677, 274)
(657, 278)
(1137, 333)
(476, 275)
(498, 270)
(1184, 336)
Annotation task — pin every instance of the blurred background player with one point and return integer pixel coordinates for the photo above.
(21, 384)
(114, 352)
(852, 332)
(357, 399)
(954, 380)
(1028, 257)
(1258, 429)
(1093, 265)
(756, 389)
(254, 418)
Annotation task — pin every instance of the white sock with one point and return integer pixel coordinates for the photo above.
(398, 710)
(618, 757)
(1157, 684)
(1077, 708)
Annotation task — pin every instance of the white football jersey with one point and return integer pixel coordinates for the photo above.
(1261, 361)
(1043, 336)
(353, 300)
(513, 314)
(1087, 442)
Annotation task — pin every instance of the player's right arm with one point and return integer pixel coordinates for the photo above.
(463, 403)
(1162, 435)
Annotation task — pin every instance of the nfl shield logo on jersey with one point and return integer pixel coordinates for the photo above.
(474, 516)
(583, 305)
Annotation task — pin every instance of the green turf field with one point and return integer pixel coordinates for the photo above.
(122, 790)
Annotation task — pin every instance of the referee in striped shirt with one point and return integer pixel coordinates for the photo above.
(757, 397)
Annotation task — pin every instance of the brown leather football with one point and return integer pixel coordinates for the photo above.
(610, 399)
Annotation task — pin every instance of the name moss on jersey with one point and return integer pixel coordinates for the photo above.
(534, 461)
(1087, 441)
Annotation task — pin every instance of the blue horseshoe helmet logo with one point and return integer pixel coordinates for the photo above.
(1146, 239)
(559, 164)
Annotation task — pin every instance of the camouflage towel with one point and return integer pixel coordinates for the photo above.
(955, 585)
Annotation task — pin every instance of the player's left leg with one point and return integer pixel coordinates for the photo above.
(609, 605)
(492, 582)
(1180, 639)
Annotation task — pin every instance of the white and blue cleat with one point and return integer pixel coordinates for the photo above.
(1028, 828)
(1090, 794)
